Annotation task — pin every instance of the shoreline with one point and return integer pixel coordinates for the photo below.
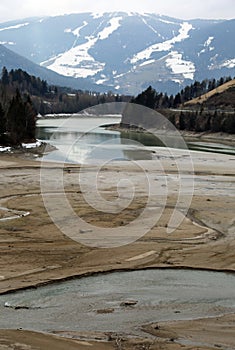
(115, 270)
(215, 137)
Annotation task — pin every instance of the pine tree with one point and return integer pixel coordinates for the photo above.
(147, 98)
(15, 119)
(5, 76)
(2, 120)
(177, 100)
(30, 120)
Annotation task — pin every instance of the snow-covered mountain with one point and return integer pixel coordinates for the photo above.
(126, 51)
(12, 60)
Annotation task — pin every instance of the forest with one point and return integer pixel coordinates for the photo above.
(153, 99)
(17, 113)
(216, 115)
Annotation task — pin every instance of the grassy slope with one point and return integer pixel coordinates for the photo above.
(205, 97)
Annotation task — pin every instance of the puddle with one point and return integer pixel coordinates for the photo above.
(120, 302)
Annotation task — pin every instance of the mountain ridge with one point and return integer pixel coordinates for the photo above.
(12, 60)
(126, 52)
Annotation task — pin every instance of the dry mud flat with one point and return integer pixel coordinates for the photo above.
(34, 251)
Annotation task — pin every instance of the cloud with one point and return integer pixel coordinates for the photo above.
(15, 9)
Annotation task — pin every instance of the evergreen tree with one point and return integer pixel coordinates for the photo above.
(21, 119)
(16, 119)
(147, 98)
(2, 120)
(177, 100)
(30, 120)
(5, 76)
(221, 81)
(182, 121)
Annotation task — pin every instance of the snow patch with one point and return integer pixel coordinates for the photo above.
(149, 26)
(207, 46)
(76, 31)
(225, 64)
(178, 81)
(7, 43)
(164, 46)
(229, 63)
(97, 15)
(114, 24)
(165, 21)
(101, 81)
(77, 62)
(214, 58)
(14, 27)
(24, 145)
(5, 149)
(121, 75)
(32, 144)
(146, 63)
(208, 41)
(179, 66)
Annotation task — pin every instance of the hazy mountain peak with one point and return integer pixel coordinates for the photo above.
(126, 51)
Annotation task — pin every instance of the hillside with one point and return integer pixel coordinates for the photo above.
(220, 97)
(216, 114)
(48, 98)
(12, 60)
(126, 52)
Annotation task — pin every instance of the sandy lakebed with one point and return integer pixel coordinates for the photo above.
(35, 252)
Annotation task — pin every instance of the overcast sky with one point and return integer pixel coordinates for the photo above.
(184, 9)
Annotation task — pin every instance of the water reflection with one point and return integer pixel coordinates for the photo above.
(83, 140)
(77, 145)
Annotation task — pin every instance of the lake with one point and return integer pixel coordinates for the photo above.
(84, 140)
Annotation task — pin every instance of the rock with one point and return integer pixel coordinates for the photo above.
(21, 308)
(105, 311)
(129, 303)
(84, 231)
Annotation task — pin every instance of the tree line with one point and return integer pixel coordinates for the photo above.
(198, 119)
(55, 99)
(202, 120)
(155, 100)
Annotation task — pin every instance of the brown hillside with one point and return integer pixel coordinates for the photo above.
(222, 96)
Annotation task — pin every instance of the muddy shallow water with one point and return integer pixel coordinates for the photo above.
(121, 301)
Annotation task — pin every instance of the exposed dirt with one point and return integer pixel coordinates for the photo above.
(34, 251)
